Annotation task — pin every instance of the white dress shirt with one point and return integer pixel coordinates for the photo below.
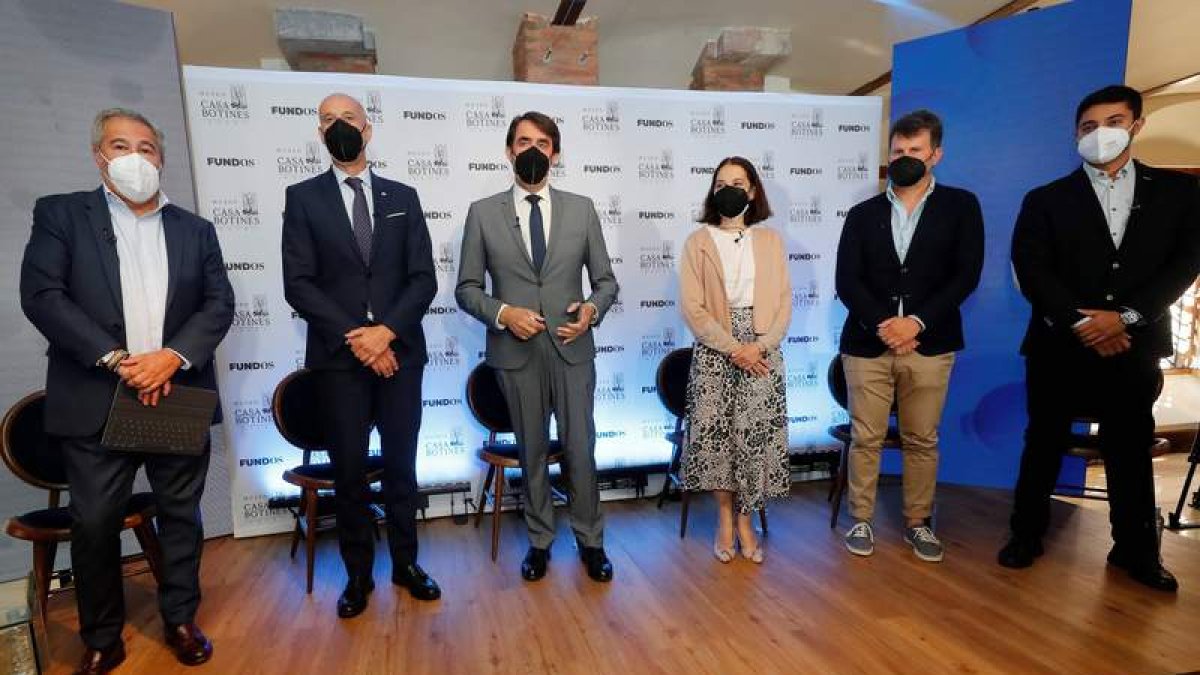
(348, 194)
(736, 250)
(1115, 195)
(142, 256)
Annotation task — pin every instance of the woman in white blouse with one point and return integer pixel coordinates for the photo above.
(736, 299)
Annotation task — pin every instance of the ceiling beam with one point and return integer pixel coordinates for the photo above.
(1158, 89)
(1007, 10)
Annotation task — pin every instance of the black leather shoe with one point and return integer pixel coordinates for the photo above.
(419, 584)
(191, 647)
(1019, 553)
(534, 565)
(100, 661)
(1147, 572)
(596, 561)
(354, 598)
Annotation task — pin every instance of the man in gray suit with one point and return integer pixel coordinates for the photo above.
(534, 242)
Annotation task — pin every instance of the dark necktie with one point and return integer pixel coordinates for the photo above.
(537, 233)
(361, 220)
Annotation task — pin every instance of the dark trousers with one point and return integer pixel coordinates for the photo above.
(354, 402)
(1120, 392)
(101, 485)
(547, 384)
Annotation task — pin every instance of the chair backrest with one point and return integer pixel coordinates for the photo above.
(30, 453)
(838, 389)
(486, 400)
(296, 408)
(672, 379)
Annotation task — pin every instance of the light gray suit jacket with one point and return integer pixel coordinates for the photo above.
(492, 244)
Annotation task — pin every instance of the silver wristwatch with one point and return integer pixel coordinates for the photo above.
(1130, 317)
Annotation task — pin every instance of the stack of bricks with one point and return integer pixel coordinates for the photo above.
(739, 59)
(325, 42)
(551, 54)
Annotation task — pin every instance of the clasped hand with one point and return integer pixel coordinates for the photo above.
(150, 373)
(749, 357)
(1104, 332)
(899, 333)
(371, 345)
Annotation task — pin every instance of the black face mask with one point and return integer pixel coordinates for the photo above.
(730, 201)
(531, 166)
(906, 171)
(344, 141)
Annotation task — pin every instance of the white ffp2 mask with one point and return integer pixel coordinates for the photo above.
(133, 177)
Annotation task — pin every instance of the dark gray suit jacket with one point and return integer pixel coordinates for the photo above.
(492, 245)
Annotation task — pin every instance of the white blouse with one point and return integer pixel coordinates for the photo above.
(737, 262)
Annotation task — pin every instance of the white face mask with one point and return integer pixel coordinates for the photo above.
(133, 177)
(1103, 144)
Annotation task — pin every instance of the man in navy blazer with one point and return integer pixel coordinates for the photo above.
(129, 290)
(358, 267)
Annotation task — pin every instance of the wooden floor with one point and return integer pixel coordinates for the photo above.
(811, 608)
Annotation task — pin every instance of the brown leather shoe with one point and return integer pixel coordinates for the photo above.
(189, 644)
(100, 661)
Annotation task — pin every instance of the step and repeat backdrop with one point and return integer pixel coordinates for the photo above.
(644, 156)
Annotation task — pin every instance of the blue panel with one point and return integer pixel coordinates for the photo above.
(1006, 92)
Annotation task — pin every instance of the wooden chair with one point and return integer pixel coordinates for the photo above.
(488, 406)
(36, 458)
(671, 380)
(1086, 446)
(295, 406)
(836, 379)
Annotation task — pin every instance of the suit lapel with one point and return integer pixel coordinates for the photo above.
(383, 205)
(556, 222)
(173, 234)
(1143, 194)
(884, 218)
(331, 194)
(925, 224)
(1090, 210)
(106, 243)
(512, 225)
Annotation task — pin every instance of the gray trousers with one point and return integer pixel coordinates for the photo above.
(545, 384)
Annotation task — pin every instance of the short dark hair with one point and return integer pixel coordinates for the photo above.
(543, 122)
(1113, 93)
(914, 123)
(759, 209)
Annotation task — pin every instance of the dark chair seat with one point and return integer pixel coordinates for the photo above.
(507, 455)
(54, 524)
(320, 475)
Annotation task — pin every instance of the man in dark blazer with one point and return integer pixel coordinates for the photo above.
(1101, 254)
(906, 260)
(534, 242)
(358, 267)
(129, 290)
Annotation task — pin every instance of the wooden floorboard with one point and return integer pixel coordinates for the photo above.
(811, 608)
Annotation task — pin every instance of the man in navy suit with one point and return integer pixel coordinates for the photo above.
(358, 267)
(128, 289)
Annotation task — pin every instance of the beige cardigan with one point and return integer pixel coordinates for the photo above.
(702, 290)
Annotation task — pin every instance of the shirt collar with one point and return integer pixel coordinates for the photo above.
(1096, 174)
(341, 177)
(114, 200)
(520, 193)
(894, 199)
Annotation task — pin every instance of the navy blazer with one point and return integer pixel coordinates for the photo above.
(1065, 259)
(941, 269)
(326, 280)
(71, 292)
